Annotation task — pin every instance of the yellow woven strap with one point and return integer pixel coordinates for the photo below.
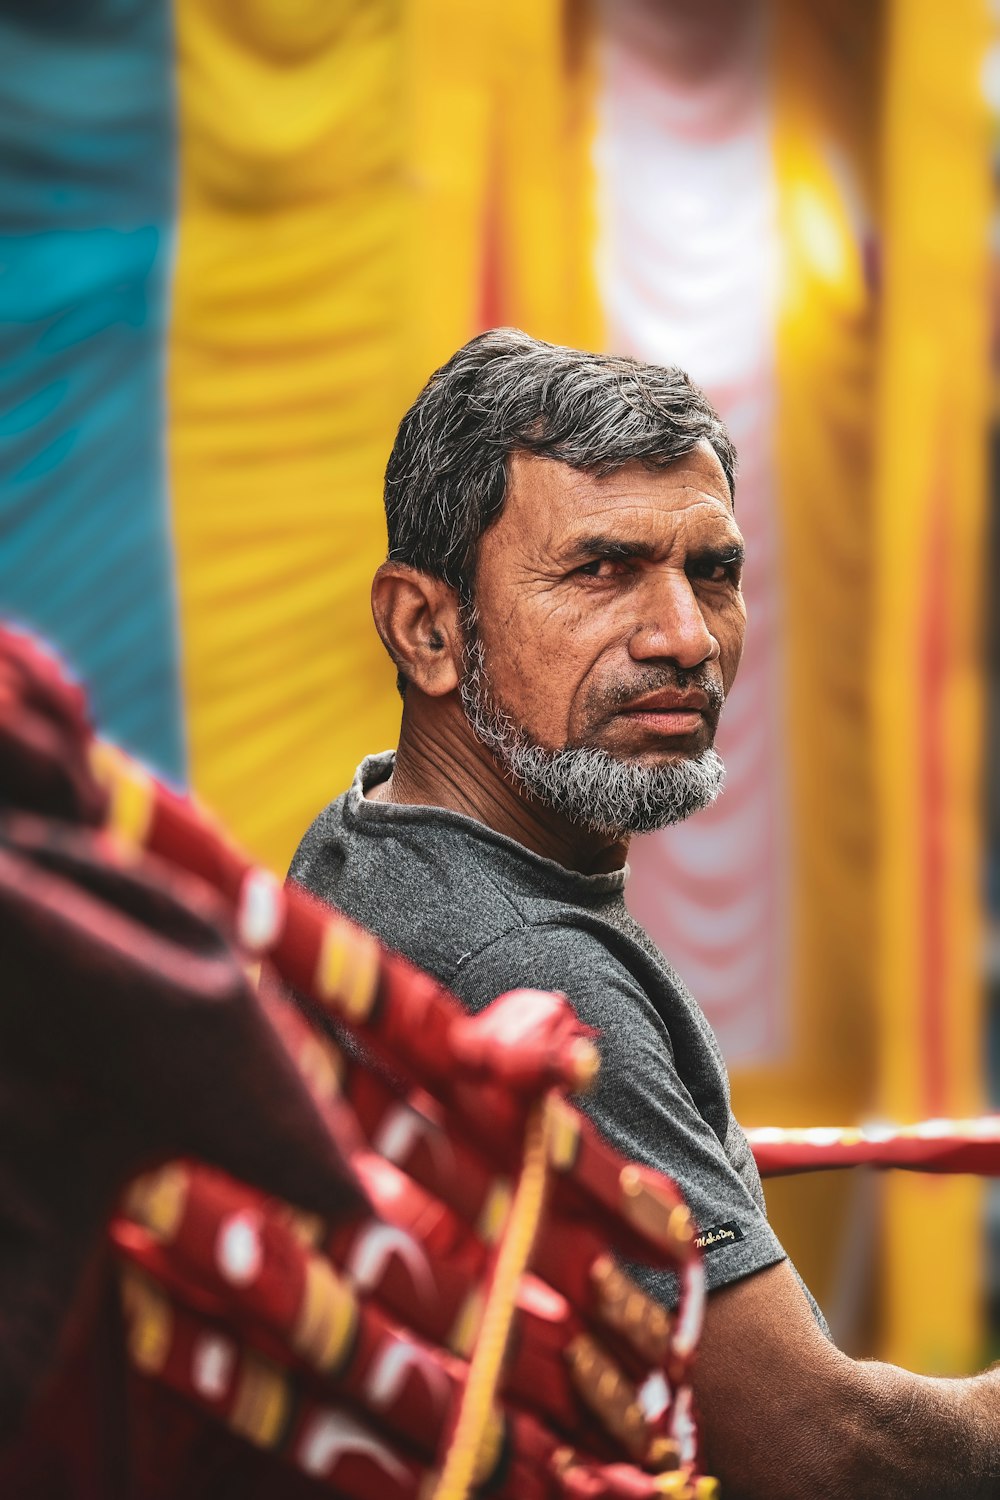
(132, 792)
(459, 1472)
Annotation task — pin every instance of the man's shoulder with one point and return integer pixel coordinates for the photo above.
(422, 881)
(476, 909)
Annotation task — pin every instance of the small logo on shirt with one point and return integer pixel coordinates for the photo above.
(719, 1235)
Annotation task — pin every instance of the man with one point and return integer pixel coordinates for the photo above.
(562, 603)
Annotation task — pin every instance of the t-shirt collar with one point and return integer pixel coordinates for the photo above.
(571, 885)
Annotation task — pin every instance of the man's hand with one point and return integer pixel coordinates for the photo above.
(785, 1414)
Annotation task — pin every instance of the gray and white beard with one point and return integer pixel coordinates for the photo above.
(588, 786)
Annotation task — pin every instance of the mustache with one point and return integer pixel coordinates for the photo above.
(674, 679)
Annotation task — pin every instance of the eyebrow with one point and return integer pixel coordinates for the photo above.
(734, 553)
(615, 549)
(621, 549)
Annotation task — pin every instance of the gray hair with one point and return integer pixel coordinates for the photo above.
(446, 478)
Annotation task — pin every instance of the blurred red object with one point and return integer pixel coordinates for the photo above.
(342, 1333)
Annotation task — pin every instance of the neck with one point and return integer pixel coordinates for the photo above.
(440, 763)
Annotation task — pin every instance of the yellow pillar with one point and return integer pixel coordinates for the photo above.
(824, 113)
(926, 676)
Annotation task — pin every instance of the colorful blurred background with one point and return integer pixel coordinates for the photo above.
(237, 235)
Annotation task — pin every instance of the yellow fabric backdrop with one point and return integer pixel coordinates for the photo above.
(503, 213)
(931, 490)
(285, 388)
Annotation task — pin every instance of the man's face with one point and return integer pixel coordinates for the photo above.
(610, 616)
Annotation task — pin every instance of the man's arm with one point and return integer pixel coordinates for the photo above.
(785, 1414)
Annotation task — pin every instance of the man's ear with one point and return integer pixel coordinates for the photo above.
(417, 617)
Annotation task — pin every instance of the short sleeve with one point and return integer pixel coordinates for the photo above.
(640, 1103)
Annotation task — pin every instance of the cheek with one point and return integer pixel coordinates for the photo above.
(531, 671)
(729, 631)
(535, 658)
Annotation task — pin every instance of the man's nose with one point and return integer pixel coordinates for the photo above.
(673, 626)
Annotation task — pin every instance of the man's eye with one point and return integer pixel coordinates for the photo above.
(601, 567)
(714, 570)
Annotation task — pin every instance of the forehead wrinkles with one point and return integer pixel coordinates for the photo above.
(530, 478)
(682, 507)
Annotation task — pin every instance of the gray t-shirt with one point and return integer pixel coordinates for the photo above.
(485, 915)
